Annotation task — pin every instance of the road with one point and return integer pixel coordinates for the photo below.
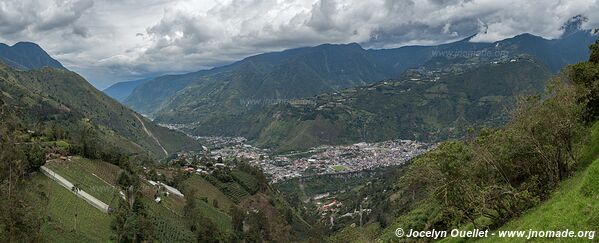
(69, 186)
(151, 134)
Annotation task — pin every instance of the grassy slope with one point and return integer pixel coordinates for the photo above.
(206, 189)
(98, 178)
(574, 205)
(92, 226)
(568, 208)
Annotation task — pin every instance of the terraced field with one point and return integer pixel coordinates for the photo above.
(208, 190)
(222, 220)
(232, 189)
(246, 180)
(168, 227)
(90, 225)
(94, 177)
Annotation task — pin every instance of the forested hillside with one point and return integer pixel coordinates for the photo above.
(488, 180)
(418, 106)
(65, 105)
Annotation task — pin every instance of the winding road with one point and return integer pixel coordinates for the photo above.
(151, 134)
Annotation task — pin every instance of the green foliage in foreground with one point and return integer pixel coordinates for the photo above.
(507, 178)
(574, 206)
(501, 174)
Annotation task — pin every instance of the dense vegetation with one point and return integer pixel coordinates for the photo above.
(490, 179)
(63, 106)
(20, 213)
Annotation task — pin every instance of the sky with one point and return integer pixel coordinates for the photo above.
(109, 41)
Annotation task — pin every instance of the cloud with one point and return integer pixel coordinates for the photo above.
(113, 40)
(25, 17)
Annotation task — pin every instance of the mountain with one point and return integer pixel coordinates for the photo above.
(205, 102)
(122, 90)
(291, 73)
(308, 71)
(556, 53)
(425, 108)
(27, 55)
(58, 98)
(294, 73)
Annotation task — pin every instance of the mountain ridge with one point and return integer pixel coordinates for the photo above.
(26, 56)
(379, 63)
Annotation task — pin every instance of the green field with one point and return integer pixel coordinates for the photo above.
(222, 220)
(169, 223)
(338, 168)
(206, 189)
(93, 177)
(92, 225)
(246, 180)
(168, 227)
(232, 189)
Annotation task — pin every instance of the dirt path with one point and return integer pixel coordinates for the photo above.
(150, 134)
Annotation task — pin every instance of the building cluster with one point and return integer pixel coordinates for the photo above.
(342, 159)
(316, 161)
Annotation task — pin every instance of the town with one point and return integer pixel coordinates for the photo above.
(326, 159)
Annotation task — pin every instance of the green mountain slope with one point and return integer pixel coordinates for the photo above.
(415, 107)
(574, 206)
(293, 73)
(63, 97)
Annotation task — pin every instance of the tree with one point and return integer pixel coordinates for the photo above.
(21, 208)
(131, 222)
(594, 58)
(585, 76)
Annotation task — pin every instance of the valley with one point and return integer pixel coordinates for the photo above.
(296, 139)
